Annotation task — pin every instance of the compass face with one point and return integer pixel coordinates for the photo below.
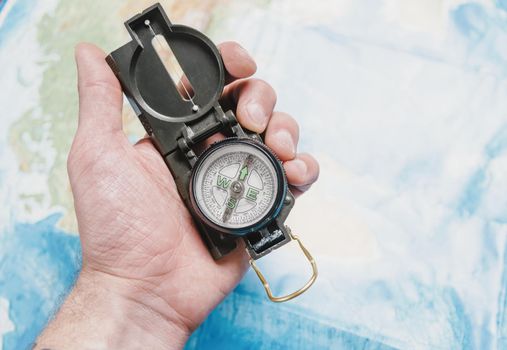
(236, 184)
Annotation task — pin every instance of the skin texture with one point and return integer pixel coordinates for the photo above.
(147, 279)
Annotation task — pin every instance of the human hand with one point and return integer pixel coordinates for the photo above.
(143, 259)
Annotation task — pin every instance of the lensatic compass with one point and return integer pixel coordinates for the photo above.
(173, 76)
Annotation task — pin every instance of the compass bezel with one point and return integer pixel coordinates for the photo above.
(279, 196)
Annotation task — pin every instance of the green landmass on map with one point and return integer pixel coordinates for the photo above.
(52, 123)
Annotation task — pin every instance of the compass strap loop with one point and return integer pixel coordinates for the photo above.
(298, 292)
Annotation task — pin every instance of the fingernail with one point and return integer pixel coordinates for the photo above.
(257, 115)
(300, 166)
(284, 139)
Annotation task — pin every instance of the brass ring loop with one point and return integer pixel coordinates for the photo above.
(298, 292)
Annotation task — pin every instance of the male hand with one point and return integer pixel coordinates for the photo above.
(147, 279)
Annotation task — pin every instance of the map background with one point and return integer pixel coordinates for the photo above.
(402, 102)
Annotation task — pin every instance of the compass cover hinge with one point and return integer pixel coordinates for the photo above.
(216, 121)
(199, 130)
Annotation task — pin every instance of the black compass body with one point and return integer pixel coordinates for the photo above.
(173, 76)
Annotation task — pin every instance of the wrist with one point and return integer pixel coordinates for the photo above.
(132, 320)
(105, 313)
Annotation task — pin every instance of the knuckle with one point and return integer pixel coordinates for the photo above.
(101, 86)
(265, 87)
(287, 118)
(314, 167)
(227, 44)
(304, 188)
(80, 156)
(74, 158)
(287, 121)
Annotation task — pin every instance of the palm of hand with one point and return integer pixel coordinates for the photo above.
(125, 196)
(133, 225)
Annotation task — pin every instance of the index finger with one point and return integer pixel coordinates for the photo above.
(238, 62)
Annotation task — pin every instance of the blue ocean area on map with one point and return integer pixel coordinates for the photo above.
(35, 255)
(55, 259)
(15, 18)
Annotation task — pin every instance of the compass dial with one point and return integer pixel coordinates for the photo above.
(237, 184)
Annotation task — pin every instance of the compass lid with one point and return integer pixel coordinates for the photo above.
(170, 72)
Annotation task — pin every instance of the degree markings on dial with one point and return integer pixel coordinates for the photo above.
(261, 198)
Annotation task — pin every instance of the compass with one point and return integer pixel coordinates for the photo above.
(238, 186)
(173, 77)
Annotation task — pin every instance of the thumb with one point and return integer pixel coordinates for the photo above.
(100, 95)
